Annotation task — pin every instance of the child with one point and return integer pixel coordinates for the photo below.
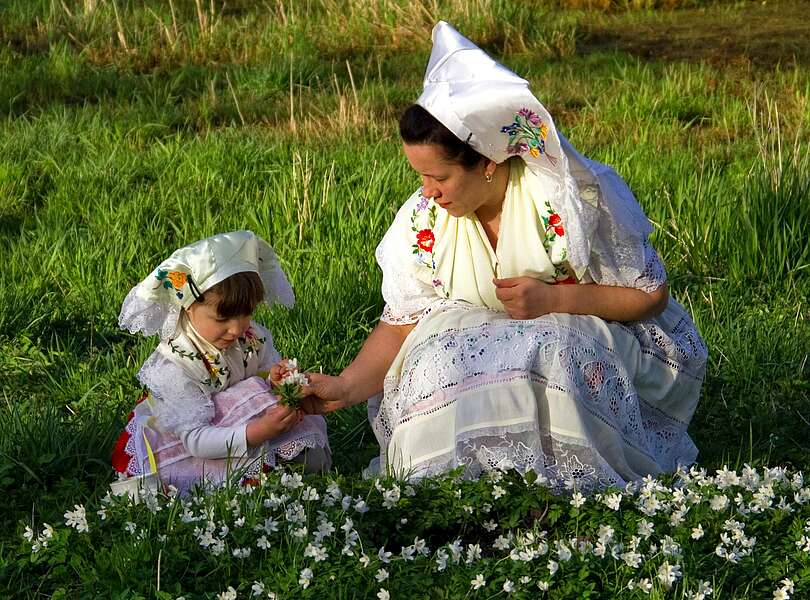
(206, 411)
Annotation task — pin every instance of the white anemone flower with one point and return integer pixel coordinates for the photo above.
(668, 574)
(642, 584)
(229, 594)
(473, 553)
(77, 518)
(612, 501)
(257, 588)
(305, 577)
(441, 559)
(490, 525)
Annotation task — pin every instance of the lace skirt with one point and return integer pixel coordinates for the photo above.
(172, 464)
(583, 402)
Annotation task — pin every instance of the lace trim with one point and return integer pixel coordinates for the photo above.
(180, 404)
(654, 274)
(292, 448)
(134, 466)
(148, 317)
(682, 348)
(543, 351)
(563, 463)
(390, 317)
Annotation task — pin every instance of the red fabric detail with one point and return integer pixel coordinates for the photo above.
(120, 459)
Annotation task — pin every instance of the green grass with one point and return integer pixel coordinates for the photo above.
(123, 136)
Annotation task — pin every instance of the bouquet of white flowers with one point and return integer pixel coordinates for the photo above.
(288, 389)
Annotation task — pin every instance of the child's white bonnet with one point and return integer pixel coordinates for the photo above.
(154, 305)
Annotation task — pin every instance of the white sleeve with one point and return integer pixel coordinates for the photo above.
(651, 277)
(216, 442)
(654, 274)
(406, 286)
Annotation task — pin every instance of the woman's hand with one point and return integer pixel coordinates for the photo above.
(324, 394)
(526, 297)
(272, 423)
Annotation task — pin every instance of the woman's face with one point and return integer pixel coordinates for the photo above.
(453, 187)
(219, 331)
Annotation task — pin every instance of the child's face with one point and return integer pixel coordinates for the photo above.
(219, 331)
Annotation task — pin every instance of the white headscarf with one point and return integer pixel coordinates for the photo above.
(494, 111)
(155, 304)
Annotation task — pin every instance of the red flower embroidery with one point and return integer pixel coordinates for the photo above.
(554, 219)
(559, 230)
(566, 281)
(425, 240)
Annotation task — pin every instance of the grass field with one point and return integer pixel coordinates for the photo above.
(130, 128)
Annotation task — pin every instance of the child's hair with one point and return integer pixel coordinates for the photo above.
(238, 295)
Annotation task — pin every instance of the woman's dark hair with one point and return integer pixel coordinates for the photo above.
(418, 126)
(238, 295)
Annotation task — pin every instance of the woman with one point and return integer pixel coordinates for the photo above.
(482, 360)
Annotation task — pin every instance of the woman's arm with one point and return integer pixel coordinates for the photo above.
(363, 378)
(527, 298)
(612, 303)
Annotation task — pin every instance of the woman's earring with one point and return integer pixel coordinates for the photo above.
(488, 177)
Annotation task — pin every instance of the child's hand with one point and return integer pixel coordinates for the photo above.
(272, 423)
(280, 370)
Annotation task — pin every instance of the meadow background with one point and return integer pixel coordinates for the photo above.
(129, 128)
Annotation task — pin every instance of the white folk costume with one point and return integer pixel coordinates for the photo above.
(189, 426)
(584, 402)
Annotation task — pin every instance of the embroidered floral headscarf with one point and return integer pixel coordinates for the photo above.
(494, 111)
(155, 304)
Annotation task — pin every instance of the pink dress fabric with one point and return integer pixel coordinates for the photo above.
(234, 406)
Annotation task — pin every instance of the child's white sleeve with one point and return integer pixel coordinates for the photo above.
(216, 442)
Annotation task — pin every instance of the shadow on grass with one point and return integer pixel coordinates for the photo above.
(759, 34)
(50, 457)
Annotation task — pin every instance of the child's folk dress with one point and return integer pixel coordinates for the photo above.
(189, 426)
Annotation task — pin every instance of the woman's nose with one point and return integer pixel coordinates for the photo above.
(430, 190)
